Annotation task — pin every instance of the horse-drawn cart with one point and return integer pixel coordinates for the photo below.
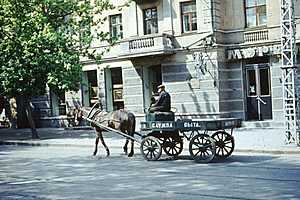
(161, 132)
(207, 137)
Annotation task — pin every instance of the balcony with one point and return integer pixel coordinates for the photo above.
(256, 36)
(147, 46)
(145, 1)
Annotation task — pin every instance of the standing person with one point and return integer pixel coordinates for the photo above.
(2, 103)
(163, 104)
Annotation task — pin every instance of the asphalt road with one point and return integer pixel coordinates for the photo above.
(33, 173)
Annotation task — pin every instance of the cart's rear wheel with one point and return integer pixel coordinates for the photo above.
(224, 144)
(151, 148)
(202, 148)
(173, 146)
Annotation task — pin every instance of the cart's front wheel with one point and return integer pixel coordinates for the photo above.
(202, 148)
(151, 148)
(224, 144)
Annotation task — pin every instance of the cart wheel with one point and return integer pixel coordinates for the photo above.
(173, 146)
(151, 148)
(202, 148)
(224, 144)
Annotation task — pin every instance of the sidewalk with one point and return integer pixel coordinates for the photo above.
(258, 140)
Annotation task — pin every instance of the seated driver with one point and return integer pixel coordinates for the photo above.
(163, 104)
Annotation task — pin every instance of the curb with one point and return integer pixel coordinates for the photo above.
(78, 128)
(21, 143)
(40, 144)
(294, 152)
(27, 143)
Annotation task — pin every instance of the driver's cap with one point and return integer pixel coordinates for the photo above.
(161, 86)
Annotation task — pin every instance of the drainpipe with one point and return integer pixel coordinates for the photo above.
(137, 19)
(171, 15)
(212, 16)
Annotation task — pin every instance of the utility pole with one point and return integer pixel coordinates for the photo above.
(289, 71)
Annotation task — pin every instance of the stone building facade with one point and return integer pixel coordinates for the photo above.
(217, 58)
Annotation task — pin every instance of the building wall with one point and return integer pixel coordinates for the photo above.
(232, 97)
(220, 90)
(133, 88)
(204, 70)
(277, 92)
(191, 91)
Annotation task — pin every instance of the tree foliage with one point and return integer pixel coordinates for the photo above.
(42, 41)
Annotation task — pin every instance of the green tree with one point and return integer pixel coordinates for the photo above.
(41, 43)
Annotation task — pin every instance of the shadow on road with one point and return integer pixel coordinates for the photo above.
(248, 158)
(231, 159)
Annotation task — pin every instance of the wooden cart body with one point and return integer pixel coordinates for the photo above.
(208, 138)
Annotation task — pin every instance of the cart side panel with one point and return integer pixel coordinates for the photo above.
(158, 126)
(208, 124)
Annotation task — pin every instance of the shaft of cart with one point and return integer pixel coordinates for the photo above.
(112, 130)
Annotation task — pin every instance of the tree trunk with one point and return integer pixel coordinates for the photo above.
(31, 122)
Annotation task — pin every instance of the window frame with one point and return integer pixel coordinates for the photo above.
(190, 15)
(256, 8)
(118, 25)
(152, 19)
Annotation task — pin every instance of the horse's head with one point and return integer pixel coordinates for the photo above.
(76, 116)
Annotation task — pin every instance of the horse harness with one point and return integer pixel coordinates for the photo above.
(104, 119)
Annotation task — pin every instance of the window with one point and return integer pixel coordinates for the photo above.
(251, 76)
(188, 16)
(256, 13)
(115, 26)
(150, 21)
(264, 78)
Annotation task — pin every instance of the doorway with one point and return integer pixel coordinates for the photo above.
(114, 88)
(92, 87)
(152, 78)
(89, 88)
(258, 88)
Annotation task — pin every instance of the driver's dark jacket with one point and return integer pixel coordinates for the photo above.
(164, 102)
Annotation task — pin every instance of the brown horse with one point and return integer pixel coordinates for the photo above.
(121, 120)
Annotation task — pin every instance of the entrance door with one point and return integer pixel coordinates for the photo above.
(152, 78)
(93, 87)
(259, 102)
(114, 88)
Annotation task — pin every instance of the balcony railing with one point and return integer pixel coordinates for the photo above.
(141, 43)
(147, 45)
(256, 36)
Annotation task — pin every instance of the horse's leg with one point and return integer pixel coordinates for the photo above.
(103, 143)
(131, 146)
(131, 132)
(132, 149)
(125, 147)
(96, 145)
